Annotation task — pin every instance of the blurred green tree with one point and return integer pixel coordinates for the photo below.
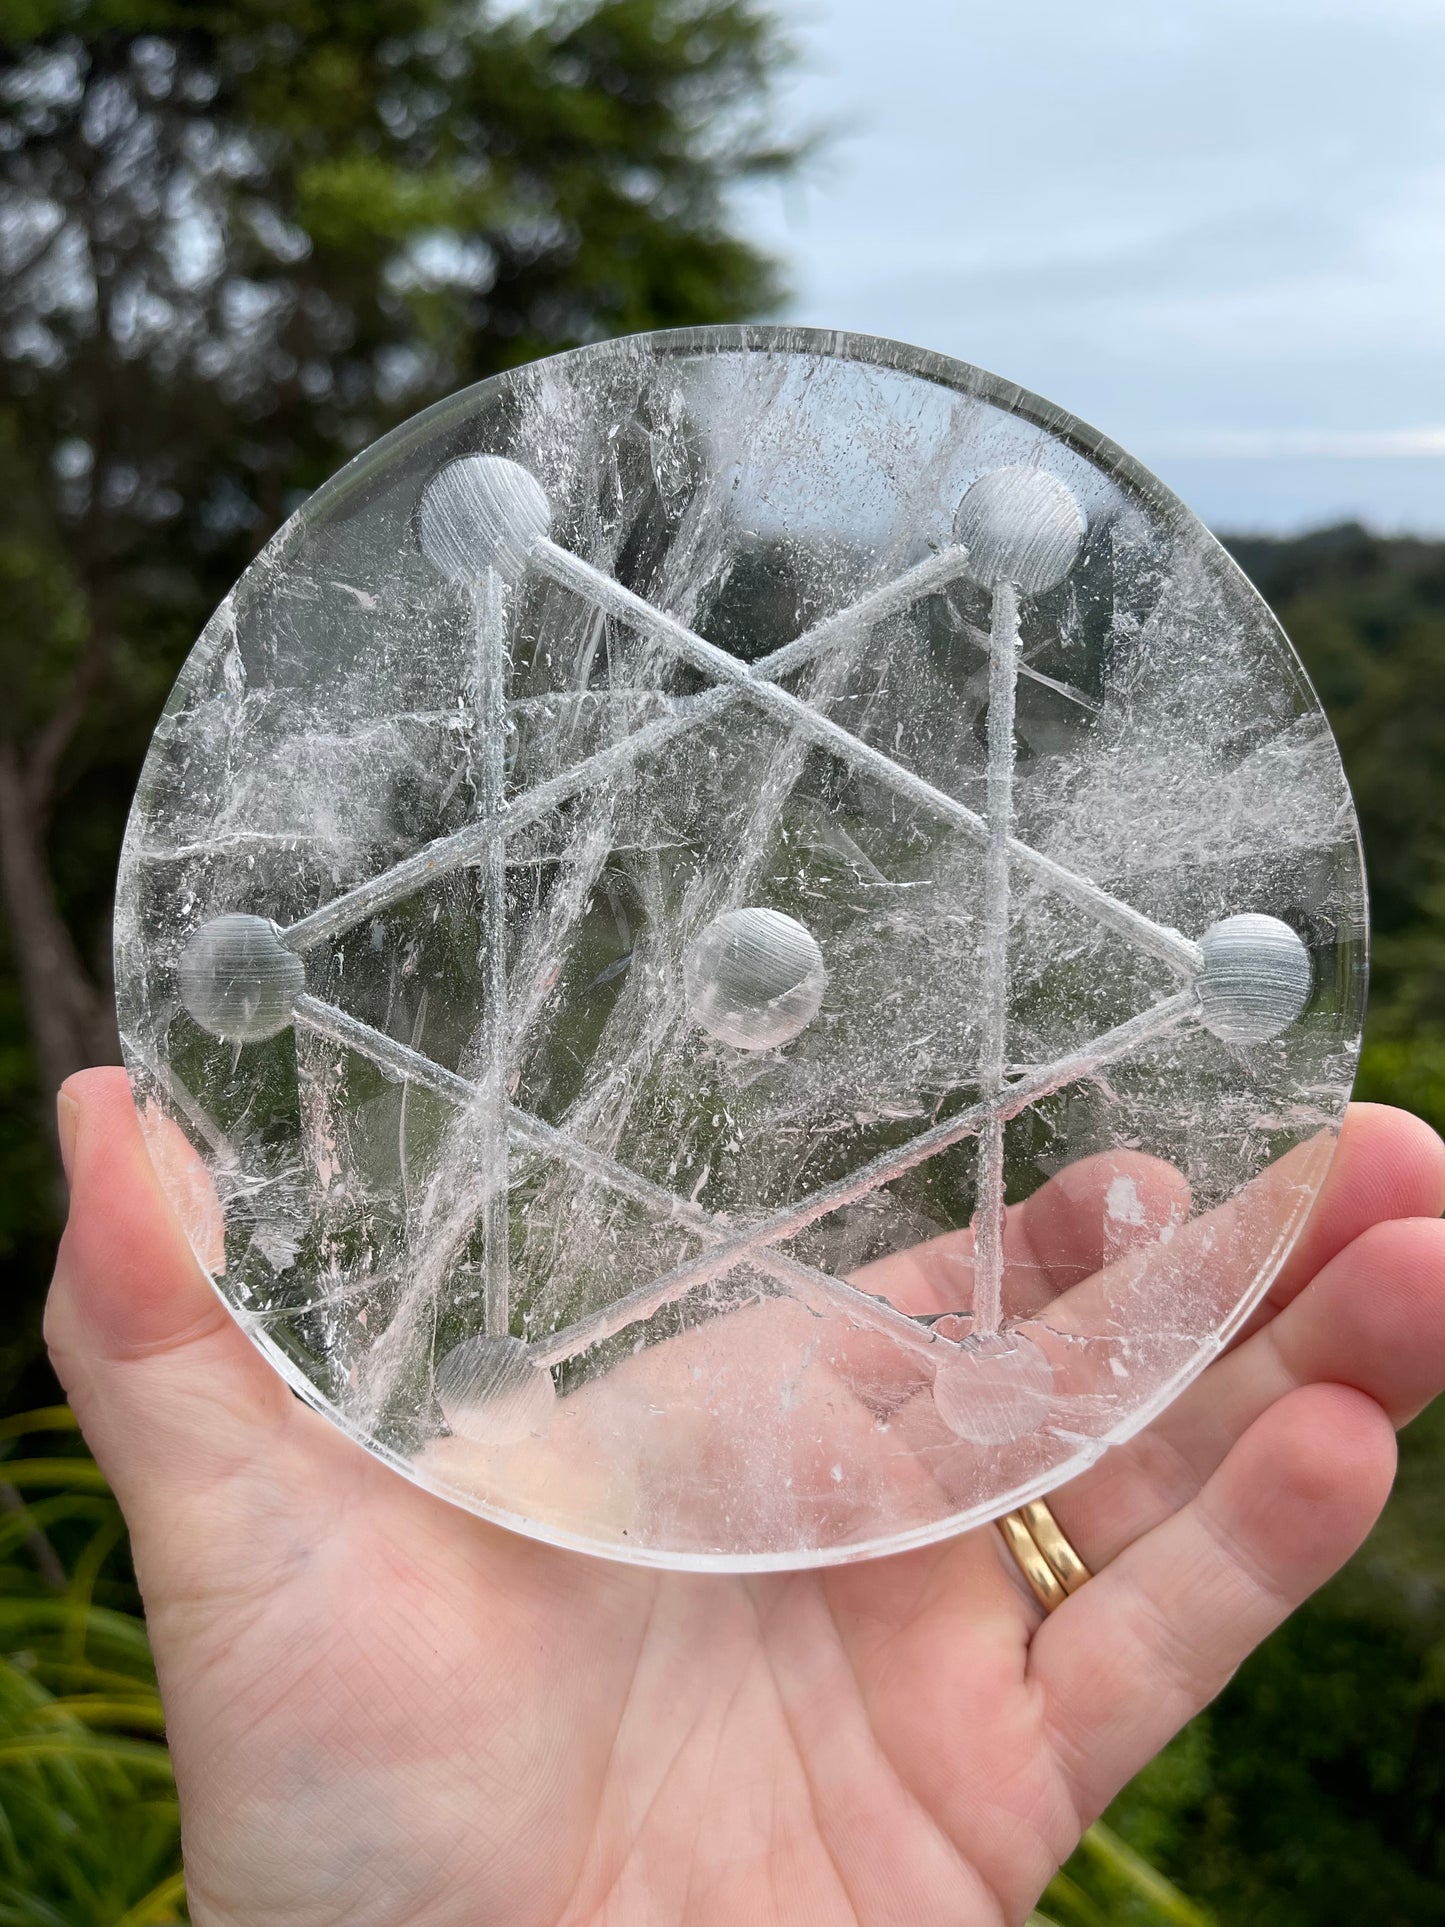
(1310, 1794)
(237, 242)
(1367, 614)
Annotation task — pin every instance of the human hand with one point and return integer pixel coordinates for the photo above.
(384, 1710)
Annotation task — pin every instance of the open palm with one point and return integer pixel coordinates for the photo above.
(383, 1710)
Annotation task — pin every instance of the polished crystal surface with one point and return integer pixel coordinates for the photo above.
(738, 948)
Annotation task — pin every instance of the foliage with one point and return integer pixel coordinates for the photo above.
(89, 1832)
(239, 239)
(1108, 1884)
(1310, 1794)
(1367, 613)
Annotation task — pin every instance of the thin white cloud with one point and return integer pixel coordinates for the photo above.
(1328, 444)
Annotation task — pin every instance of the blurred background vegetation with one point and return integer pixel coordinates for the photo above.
(237, 242)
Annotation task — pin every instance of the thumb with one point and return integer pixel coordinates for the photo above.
(171, 1396)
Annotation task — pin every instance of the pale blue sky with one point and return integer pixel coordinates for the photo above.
(1213, 228)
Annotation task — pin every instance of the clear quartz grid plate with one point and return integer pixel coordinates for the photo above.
(741, 947)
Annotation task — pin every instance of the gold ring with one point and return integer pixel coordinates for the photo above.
(1044, 1556)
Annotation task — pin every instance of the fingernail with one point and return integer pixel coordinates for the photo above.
(67, 1121)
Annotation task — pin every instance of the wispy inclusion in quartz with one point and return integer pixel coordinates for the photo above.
(759, 940)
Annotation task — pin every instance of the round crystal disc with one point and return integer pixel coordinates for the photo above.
(742, 947)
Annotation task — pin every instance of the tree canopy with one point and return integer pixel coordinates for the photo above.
(1367, 613)
(237, 241)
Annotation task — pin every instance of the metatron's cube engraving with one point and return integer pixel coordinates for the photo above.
(755, 943)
